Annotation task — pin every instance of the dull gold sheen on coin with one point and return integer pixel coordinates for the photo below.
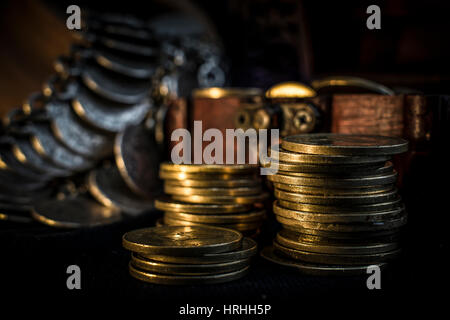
(227, 218)
(178, 240)
(343, 144)
(213, 183)
(187, 191)
(172, 175)
(209, 168)
(250, 199)
(167, 204)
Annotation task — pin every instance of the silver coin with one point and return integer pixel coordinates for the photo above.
(76, 135)
(9, 162)
(107, 186)
(112, 117)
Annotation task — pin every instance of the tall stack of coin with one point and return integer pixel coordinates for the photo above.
(188, 255)
(337, 202)
(228, 196)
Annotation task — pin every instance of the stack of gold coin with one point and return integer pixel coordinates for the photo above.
(337, 202)
(227, 196)
(188, 255)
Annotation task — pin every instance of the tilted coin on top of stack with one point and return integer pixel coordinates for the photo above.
(337, 203)
(188, 254)
(228, 196)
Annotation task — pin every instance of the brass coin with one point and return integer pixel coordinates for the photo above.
(187, 191)
(167, 204)
(215, 183)
(334, 182)
(336, 259)
(75, 212)
(250, 199)
(335, 217)
(317, 208)
(269, 254)
(344, 144)
(241, 227)
(228, 218)
(294, 157)
(184, 280)
(247, 249)
(172, 175)
(350, 249)
(186, 269)
(178, 240)
(325, 192)
(336, 200)
(349, 85)
(209, 168)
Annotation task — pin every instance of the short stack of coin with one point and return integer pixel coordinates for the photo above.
(227, 196)
(337, 202)
(188, 255)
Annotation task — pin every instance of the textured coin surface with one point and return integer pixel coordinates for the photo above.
(185, 280)
(342, 144)
(172, 175)
(223, 199)
(210, 168)
(214, 183)
(226, 218)
(186, 269)
(210, 191)
(179, 240)
(334, 191)
(74, 213)
(242, 227)
(167, 204)
(247, 249)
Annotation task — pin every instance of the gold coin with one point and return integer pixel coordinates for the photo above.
(334, 182)
(172, 175)
(246, 251)
(344, 144)
(178, 240)
(294, 157)
(210, 168)
(167, 204)
(269, 254)
(335, 217)
(241, 227)
(187, 191)
(336, 259)
(325, 209)
(184, 280)
(215, 183)
(336, 200)
(318, 247)
(325, 192)
(229, 218)
(250, 199)
(186, 269)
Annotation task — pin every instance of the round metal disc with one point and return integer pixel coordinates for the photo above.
(209, 168)
(251, 199)
(186, 191)
(325, 192)
(171, 175)
(226, 218)
(214, 183)
(18, 183)
(9, 162)
(167, 204)
(241, 227)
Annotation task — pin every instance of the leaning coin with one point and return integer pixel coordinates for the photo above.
(74, 212)
(250, 199)
(186, 269)
(187, 191)
(247, 249)
(343, 144)
(214, 183)
(325, 192)
(167, 204)
(226, 218)
(177, 240)
(210, 168)
(184, 280)
(317, 208)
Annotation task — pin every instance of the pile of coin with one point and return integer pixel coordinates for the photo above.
(188, 255)
(337, 202)
(228, 196)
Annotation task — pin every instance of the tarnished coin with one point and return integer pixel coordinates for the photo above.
(76, 212)
(137, 158)
(242, 227)
(250, 199)
(214, 183)
(336, 199)
(186, 191)
(331, 182)
(172, 175)
(184, 280)
(269, 253)
(343, 144)
(210, 168)
(294, 157)
(317, 208)
(336, 259)
(10, 163)
(177, 240)
(167, 204)
(186, 269)
(105, 115)
(107, 186)
(325, 192)
(326, 217)
(334, 248)
(225, 218)
(247, 250)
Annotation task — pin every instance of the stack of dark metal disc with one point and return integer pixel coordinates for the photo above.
(220, 195)
(188, 255)
(337, 202)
